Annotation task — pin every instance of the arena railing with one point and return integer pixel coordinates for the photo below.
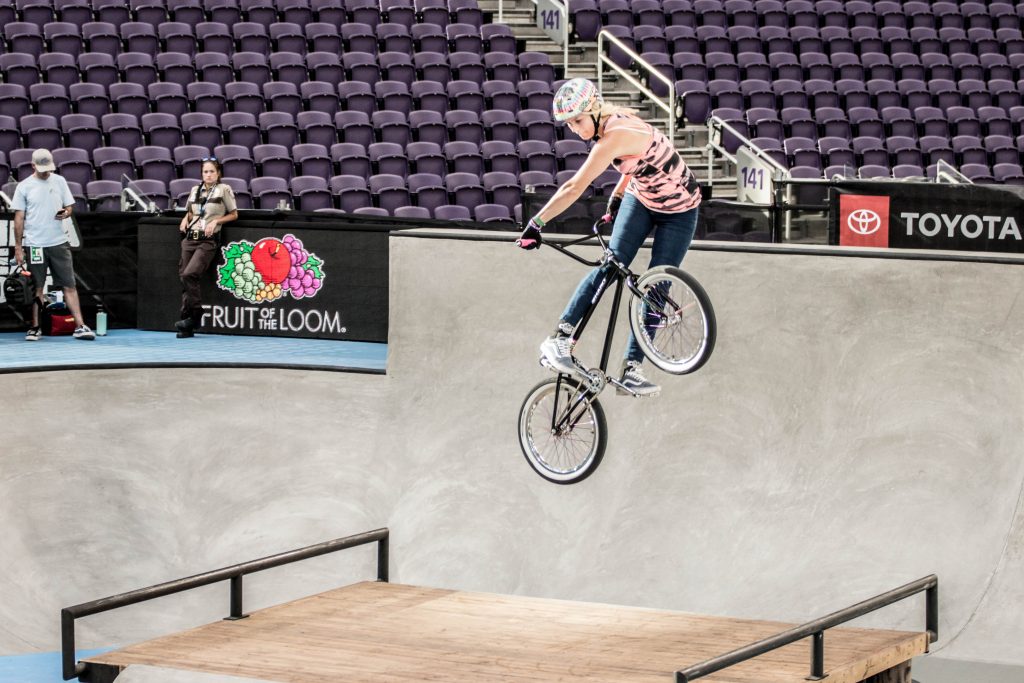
(717, 128)
(669, 105)
(815, 630)
(234, 574)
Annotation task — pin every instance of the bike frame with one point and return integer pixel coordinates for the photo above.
(619, 274)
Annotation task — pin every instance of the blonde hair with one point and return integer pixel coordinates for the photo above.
(607, 109)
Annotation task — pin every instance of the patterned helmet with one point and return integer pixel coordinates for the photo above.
(575, 97)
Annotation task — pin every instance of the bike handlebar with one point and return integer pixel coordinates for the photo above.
(596, 230)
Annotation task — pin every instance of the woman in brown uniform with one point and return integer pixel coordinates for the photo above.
(210, 205)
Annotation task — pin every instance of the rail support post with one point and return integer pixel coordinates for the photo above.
(817, 657)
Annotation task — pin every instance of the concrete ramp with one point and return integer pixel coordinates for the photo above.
(857, 428)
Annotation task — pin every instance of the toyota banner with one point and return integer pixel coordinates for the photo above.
(928, 216)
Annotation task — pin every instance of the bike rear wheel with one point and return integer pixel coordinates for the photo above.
(673, 322)
(562, 430)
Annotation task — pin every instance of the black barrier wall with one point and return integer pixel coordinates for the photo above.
(927, 216)
(336, 288)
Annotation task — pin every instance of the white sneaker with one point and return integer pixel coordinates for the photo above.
(557, 351)
(84, 333)
(33, 334)
(634, 382)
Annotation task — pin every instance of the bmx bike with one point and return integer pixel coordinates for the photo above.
(562, 428)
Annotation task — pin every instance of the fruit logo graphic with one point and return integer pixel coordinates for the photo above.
(266, 270)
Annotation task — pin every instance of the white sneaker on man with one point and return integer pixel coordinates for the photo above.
(83, 332)
(33, 334)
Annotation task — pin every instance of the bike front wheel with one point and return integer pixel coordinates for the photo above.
(673, 322)
(562, 430)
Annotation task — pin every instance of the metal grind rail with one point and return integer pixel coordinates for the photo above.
(815, 630)
(234, 574)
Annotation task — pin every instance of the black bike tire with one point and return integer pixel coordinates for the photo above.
(534, 395)
(706, 308)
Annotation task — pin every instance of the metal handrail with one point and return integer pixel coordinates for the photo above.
(816, 631)
(234, 573)
(667, 106)
(719, 123)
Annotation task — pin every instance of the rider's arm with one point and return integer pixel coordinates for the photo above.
(614, 144)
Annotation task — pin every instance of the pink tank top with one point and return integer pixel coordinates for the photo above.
(661, 179)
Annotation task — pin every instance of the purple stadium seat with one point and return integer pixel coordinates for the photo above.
(935, 147)
(388, 158)
(415, 212)
(245, 97)
(111, 163)
(452, 213)
(464, 38)
(73, 163)
(430, 96)
(501, 125)
(240, 128)
(81, 131)
(363, 11)
(206, 98)
(40, 130)
(350, 192)
(464, 189)
(154, 163)
(466, 66)
(287, 37)
(429, 37)
(502, 188)
(426, 157)
(870, 151)
(464, 157)
(498, 38)
(317, 128)
(49, 98)
(398, 12)
(214, 36)
(201, 129)
(282, 97)
(392, 126)
(571, 154)
(324, 37)
(537, 156)
(359, 37)
(268, 193)
(978, 173)
(464, 125)
(175, 67)
(64, 37)
(428, 126)
(432, 12)
(20, 69)
(358, 97)
(501, 66)
(294, 11)
(59, 69)
(77, 12)
(261, 12)
(278, 128)
(214, 67)
(389, 190)
(104, 195)
(188, 159)
(354, 126)
(428, 190)
(189, 12)
(320, 97)
(311, 193)
(537, 181)
(394, 37)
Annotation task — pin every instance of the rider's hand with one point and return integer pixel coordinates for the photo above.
(530, 239)
(613, 208)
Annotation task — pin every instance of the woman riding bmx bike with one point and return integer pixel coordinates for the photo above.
(657, 193)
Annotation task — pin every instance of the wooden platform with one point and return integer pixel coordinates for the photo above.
(383, 633)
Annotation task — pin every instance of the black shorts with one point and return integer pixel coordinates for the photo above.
(55, 259)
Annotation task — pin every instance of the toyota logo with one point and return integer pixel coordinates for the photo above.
(864, 222)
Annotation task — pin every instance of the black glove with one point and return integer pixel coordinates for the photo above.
(531, 238)
(613, 205)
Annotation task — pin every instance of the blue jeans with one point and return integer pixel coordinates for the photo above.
(673, 233)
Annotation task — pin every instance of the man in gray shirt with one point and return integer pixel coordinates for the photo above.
(40, 203)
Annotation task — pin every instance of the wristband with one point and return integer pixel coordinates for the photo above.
(538, 222)
(614, 203)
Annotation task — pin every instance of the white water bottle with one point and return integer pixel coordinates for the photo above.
(101, 321)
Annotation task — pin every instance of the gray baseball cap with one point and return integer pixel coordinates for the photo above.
(43, 160)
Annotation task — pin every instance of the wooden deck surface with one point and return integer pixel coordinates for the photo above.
(384, 633)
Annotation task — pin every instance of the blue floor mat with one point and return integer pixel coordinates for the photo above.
(137, 348)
